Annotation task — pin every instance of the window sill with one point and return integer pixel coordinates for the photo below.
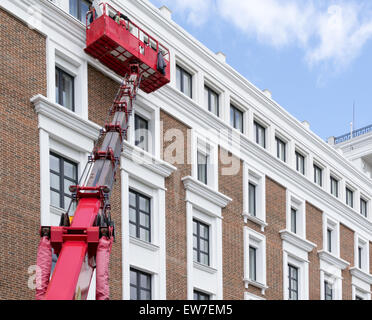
(297, 241)
(333, 260)
(256, 284)
(205, 268)
(361, 275)
(255, 220)
(144, 244)
(56, 210)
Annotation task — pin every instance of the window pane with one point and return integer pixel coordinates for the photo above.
(206, 97)
(252, 199)
(145, 295)
(67, 91)
(133, 293)
(144, 235)
(141, 133)
(187, 84)
(145, 220)
(67, 201)
(55, 199)
(70, 170)
(54, 163)
(179, 78)
(214, 103)
(202, 167)
(54, 181)
(133, 230)
(252, 263)
(132, 215)
(144, 204)
(74, 8)
(83, 11)
(145, 281)
(67, 184)
(294, 220)
(133, 277)
(132, 199)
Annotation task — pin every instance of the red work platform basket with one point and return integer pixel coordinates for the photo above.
(119, 43)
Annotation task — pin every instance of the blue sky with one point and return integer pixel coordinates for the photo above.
(315, 56)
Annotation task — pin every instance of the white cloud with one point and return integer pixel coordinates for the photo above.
(330, 32)
(197, 12)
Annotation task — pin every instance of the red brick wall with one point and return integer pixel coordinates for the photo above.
(101, 93)
(346, 253)
(232, 233)
(22, 75)
(175, 212)
(314, 234)
(276, 219)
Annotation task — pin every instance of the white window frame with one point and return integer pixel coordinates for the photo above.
(151, 115)
(363, 197)
(75, 67)
(305, 156)
(335, 281)
(212, 86)
(303, 275)
(293, 201)
(354, 198)
(359, 241)
(251, 175)
(266, 136)
(323, 169)
(329, 223)
(356, 291)
(257, 241)
(207, 148)
(339, 186)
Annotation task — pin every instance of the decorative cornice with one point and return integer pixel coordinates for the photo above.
(147, 160)
(205, 191)
(65, 117)
(361, 275)
(205, 268)
(248, 148)
(333, 260)
(255, 220)
(143, 244)
(256, 284)
(297, 241)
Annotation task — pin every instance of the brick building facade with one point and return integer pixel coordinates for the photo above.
(259, 226)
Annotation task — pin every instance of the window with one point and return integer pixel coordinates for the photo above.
(360, 257)
(201, 296)
(328, 291)
(79, 8)
(293, 220)
(260, 134)
(280, 149)
(318, 175)
(201, 242)
(293, 282)
(184, 81)
(141, 127)
(349, 197)
(63, 174)
(363, 207)
(252, 263)
(334, 186)
(211, 101)
(65, 89)
(252, 200)
(140, 285)
(236, 118)
(300, 163)
(139, 216)
(329, 239)
(254, 259)
(331, 236)
(202, 167)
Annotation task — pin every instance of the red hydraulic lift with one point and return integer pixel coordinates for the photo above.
(86, 244)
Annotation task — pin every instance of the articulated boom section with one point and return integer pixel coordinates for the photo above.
(76, 244)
